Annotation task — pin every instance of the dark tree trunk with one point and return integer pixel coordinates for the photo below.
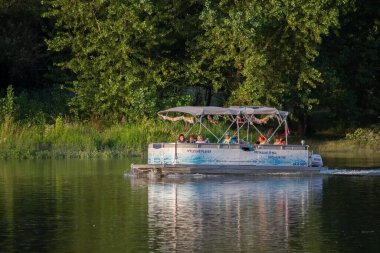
(208, 96)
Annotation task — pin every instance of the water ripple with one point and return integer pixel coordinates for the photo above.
(352, 172)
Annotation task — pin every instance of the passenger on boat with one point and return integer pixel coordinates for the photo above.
(181, 138)
(277, 141)
(191, 139)
(227, 138)
(234, 139)
(200, 139)
(261, 140)
(282, 141)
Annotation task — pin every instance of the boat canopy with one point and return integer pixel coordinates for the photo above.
(239, 115)
(263, 110)
(197, 111)
(202, 110)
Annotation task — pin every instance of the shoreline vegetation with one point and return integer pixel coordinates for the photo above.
(85, 79)
(63, 140)
(343, 145)
(74, 140)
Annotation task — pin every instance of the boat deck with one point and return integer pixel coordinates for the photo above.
(164, 169)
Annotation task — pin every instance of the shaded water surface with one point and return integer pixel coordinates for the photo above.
(351, 160)
(94, 206)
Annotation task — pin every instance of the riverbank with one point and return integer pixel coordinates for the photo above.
(67, 140)
(342, 145)
(365, 140)
(64, 140)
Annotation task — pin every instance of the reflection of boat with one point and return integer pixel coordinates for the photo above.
(230, 214)
(239, 156)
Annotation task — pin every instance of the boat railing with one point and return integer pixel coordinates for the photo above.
(283, 147)
(194, 145)
(227, 146)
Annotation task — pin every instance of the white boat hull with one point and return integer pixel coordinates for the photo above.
(225, 154)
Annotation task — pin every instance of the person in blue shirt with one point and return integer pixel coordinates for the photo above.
(228, 139)
(234, 139)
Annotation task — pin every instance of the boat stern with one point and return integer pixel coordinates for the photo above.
(316, 160)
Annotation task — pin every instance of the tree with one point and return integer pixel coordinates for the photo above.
(350, 63)
(263, 52)
(23, 57)
(126, 55)
(131, 58)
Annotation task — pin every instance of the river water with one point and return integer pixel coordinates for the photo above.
(96, 206)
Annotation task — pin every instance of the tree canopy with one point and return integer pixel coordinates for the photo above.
(122, 59)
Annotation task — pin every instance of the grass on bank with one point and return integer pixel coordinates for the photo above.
(83, 140)
(78, 140)
(358, 140)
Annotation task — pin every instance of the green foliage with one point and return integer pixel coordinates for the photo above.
(29, 110)
(73, 140)
(7, 105)
(132, 58)
(124, 55)
(23, 57)
(263, 52)
(32, 108)
(365, 136)
(120, 61)
(350, 62)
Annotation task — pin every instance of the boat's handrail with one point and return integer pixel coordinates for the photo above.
(226, 146)
(286, 147)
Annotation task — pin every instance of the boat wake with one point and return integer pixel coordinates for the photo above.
(352, 171)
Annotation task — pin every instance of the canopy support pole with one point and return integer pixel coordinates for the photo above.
(191, 128)
(209, 131)
(200, 125)
(275, 131)
(240, 127)
(247, 121)
(258, 130)
(286, 131)
(238, 132)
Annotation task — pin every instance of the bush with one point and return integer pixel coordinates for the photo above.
(366, 136)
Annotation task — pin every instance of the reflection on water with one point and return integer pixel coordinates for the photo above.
(350, 159)
(228, 214)
(70, 206)
(352, 172)
(90, 206)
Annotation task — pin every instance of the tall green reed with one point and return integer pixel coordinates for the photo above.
(65, 139)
